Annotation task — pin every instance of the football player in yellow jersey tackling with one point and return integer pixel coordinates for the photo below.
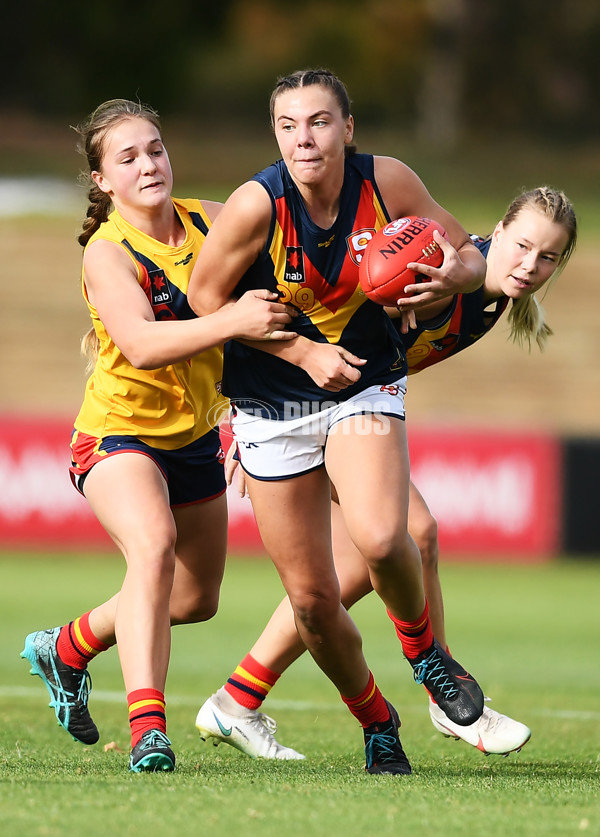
(145, 451)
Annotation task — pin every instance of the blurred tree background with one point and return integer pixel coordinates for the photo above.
(452, 68)
(445, 76)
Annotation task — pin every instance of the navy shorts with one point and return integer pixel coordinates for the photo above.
(194, 473)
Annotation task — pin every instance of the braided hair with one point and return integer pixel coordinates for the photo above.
(92, 138)
(92, 134)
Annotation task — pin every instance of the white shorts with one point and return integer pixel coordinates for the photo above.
(271, 449)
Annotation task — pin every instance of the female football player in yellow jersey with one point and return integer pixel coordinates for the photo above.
(336, 413)
(145, 449)
(530, 246)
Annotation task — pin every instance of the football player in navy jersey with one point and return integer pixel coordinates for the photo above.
(529, 247)
(329, 408)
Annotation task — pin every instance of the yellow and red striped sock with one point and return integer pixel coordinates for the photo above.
(146, 711)
(251, 682)
(76, 644)
(416, 636)
(369, 707)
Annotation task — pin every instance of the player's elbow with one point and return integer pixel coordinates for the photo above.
(140, 359)
(205, 300)
(142, 352)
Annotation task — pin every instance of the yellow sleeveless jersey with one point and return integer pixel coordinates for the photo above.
(174, 405)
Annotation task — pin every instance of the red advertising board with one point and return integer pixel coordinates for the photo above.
(39, 507)
(494, 494)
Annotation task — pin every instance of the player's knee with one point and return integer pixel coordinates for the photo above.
(153, 565)
(316, 611)
(196, 607)
(426, 538)
(383, 546)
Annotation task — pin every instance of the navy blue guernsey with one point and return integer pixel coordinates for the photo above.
(316, 271)
(466, 320)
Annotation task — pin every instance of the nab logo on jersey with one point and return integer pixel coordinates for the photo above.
(294, 264)
(159, 287)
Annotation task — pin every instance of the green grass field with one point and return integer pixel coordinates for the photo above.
(529, 633)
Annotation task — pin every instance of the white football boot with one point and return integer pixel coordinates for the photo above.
(491, 733)
(250, 731)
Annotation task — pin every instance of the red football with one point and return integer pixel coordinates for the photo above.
(382, 271)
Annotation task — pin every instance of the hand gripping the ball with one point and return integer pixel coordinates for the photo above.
(399, 255)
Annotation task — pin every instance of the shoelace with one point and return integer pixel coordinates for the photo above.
(432, 670)
(490, 720)
(152, 739)
(381, 748)
(64, 697)
(267, 723)
(84, 687)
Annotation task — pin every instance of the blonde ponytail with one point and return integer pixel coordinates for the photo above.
(90, 346)
(528, 322)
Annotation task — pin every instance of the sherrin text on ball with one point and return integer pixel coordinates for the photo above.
(383, 271)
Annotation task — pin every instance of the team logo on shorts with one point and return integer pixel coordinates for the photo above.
(393, 389)
(294, 264)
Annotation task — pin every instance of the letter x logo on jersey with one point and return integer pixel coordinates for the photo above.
(294, 264)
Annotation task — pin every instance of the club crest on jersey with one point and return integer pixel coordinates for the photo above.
(294, 264)
(159, 287)
(356, 243)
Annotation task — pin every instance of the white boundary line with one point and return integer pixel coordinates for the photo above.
(100, 696)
